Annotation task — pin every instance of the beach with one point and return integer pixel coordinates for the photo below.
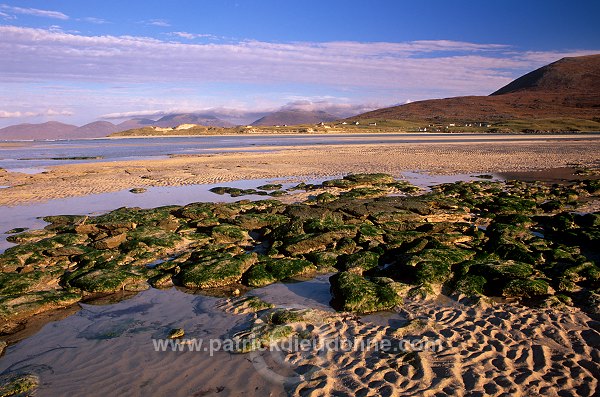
(476, 268)
(493, 154)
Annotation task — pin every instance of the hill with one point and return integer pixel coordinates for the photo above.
(173, 120)
(568, 88)
(48, 130)
(294, 117)
(99, 129)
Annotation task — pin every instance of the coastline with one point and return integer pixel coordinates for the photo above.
(487, 156)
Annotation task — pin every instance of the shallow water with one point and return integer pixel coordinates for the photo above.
(312, 293)
(27, 216)
(40, 154)
(109, 350)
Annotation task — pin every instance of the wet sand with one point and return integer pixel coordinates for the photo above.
(492, 350)
(491, 155)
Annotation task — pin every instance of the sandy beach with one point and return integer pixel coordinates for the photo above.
(494, 154)
(493, 346)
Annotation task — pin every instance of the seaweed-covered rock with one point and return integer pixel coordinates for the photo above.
(110, 242)
(325, 197)
(270, 270)
(324, 260)
(352, 292)
(503, 270)
(21, 306)
(228, 234)
(470, 285)
(215, 269)
(371, 179)
(364, 192)
(253, 221)
(18, 384)
(18, 283)
(446, 255)
(526, 288)
(358, 262)
(270, 327)
(270, 186)
(109, 280)
(317, 242)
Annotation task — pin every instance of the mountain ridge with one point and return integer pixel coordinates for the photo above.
(294, 117)
(569, 87)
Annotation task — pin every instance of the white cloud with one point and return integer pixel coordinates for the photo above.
(49, 112)
(330, 106)
(135, 114)
(192, 36)
(172, 76)
(157, 22)
(6, 16)
(35, 12)
(457, 67)
(94, 20)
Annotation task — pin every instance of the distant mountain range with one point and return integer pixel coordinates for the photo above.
(294, 117)
(568, 88)
(99, 129)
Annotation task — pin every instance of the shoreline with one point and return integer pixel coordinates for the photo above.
(487, 316)
(320, 133)
(489, 156)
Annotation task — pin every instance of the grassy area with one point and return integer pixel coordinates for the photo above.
(386, 126)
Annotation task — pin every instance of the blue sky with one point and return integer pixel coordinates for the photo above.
(81, 61)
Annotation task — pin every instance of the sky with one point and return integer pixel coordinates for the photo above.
(81, 61)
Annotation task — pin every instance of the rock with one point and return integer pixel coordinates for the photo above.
(503, 270)
(323, 260)
(317, 242)
(176, 333)
(110, 242)
(270, 186)
(374, 178)
(16, 230)
(22, 306)
(109, 280)
(119, 227)
(325, 197)
(169, 224)
(20, 384)
(12, 283)
(64, 251)
(3, 345)
(259, 221)
(526, 288)
(138, 190)
(363, 193)
(270, 270)
(215, 269)
(228, 234)
(31, 236)
(162, 280)
(271, 326)
(358, 262)
(354, 293)
(470, 285)
(87, 229)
